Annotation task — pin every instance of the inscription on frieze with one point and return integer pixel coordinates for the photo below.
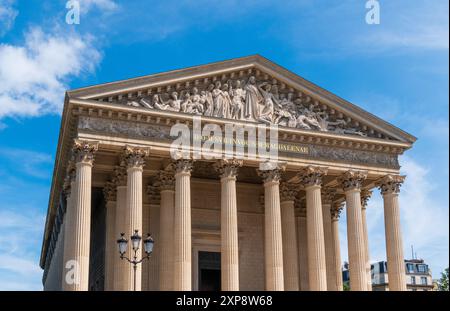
(161, 133)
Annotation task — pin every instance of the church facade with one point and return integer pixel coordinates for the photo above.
(222, 217)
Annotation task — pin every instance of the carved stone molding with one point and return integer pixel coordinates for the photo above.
(365, 196)
(328, 195)
(312, 175)
(110, 191)
(336, 210)
(83, 151)
(352, 180)
(228, 168)
(288, 192)
(183, 166)
(390, 184)
(134, 157)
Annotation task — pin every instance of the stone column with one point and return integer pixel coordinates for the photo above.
(121, 275)
(69, 189)
(290, 251)
(272, 233)
(134, 160)
(335, 213)
(228, 170)
(311, 178)
(390, 188)
(327, 199)
(302, 249)
(365, 195)
(166, 221)
(77, 266)
(109, 193)
(182, 225)
(351, 182)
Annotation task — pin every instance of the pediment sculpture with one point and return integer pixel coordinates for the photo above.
(248, 99)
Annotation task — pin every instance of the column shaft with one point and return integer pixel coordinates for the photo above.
(229, 235)
(273, 237)
(182, 225)
(394, 244)
(316, 242)
(120, 266)
(110, 245)
(133, 221)
(329, 249)
(336, 248)
(303, 252)
(290, 252)
(78, 262)
(366, 249)
(355, 237)
(68, 236)
(166, 239)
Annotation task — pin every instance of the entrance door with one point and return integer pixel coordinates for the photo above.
(209, 271)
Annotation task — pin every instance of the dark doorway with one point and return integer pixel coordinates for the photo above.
(209, 271)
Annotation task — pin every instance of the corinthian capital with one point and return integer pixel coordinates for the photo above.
(166, 180)
(83, 151)
(135, 156)
(336, 210)
(312, 175)
(183, 166)
(228, 167)
(273, 175)
(328, 195)
(390, 184)
(365, 196)
(288, 192)
(352, 180)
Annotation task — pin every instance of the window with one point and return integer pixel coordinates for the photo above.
(423, 280)
(413, 280)
(410, 268)
(422, 268)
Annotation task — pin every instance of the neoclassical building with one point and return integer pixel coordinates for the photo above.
(224, 223)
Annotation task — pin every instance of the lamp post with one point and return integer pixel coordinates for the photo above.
(135, 238)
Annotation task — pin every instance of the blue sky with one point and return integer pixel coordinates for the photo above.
(397, 70)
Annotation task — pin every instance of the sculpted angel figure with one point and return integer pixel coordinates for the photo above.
(307, 119)
(237, 103)
(157, 103)
(253, 99)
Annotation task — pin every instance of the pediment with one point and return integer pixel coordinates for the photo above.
(251, 89)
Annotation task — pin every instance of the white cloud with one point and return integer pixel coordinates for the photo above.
(7, 15)
(34, 75)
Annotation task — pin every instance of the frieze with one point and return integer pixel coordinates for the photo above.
(162, 133)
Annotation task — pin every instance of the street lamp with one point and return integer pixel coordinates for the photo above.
(135, 238)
